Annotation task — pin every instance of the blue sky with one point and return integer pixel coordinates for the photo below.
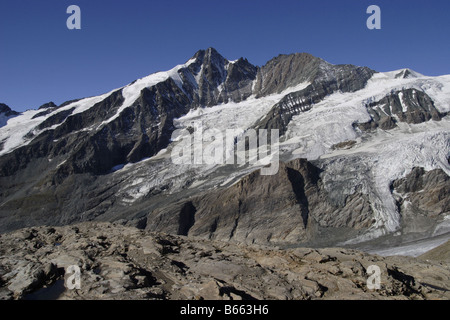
(120, 41)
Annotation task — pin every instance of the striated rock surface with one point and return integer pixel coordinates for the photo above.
(290, 207)
(408, 105)
(422, 198)
(118, 262)
(324, 78)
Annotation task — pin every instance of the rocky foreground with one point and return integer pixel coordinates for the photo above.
(118, 262)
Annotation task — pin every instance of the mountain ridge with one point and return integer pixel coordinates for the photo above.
(108, 157)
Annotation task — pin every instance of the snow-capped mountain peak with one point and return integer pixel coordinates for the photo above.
(361, 131)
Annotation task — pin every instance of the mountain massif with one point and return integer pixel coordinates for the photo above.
(364, 155)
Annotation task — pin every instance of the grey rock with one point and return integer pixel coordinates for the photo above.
(118, 262)
(5, 114)
(48, 105)
(286, 71)
(408, 105)
(287, 207)
(6, 110)
(325, 79)
(422, 199)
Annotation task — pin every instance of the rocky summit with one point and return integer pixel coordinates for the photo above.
(118, 262)
(362, 162)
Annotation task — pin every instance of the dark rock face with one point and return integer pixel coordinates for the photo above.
(6, 113)
(238, 85)
(423, 193)
(422, 200)
(245, 211)
(209, 69)
(286, 71)
(211, 79)
(7, 110)
(409, 105)
(288, 207)
(404, 74)
(325, 79)
(186, 219)
(48, 105)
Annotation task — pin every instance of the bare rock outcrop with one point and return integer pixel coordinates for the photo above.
(118, 262)
(287, 208)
